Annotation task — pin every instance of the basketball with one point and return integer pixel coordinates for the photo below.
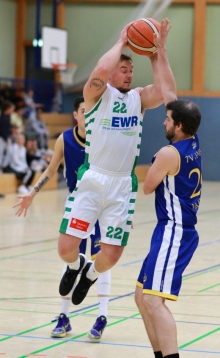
(141, 36)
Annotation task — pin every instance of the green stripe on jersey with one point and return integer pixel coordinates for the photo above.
(90, 121)
(134, 182)
(94, 109)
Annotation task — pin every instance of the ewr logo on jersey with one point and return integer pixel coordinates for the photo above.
(124, 122)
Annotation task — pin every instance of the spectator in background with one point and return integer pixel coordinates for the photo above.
(36, 159)
(7, 108)
(17, 119)
(31, 106)
(18, 164)
(17, 123)
(35, 128)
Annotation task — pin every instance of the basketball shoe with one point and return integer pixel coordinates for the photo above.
(95, 334)
(83, 286)
(63, 326)
(69, 277)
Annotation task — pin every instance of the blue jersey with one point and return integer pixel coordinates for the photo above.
(178, 196)
(74, 155)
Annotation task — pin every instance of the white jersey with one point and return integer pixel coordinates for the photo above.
(113, 131)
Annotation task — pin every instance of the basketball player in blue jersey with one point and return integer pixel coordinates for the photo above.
(71, 146)
(107, 186)
(175, 176)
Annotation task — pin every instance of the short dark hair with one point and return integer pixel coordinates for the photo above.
(125, 57)
(187, 113)
(77, 102)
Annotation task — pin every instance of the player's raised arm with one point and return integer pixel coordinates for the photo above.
(164, 88)
(167, 80)
(96, 84)
(26, 200)
(151, 96)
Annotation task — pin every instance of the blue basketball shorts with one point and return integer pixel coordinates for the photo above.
(171, 250)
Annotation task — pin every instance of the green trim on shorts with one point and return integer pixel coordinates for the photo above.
(130, 211)
(71, 198)
(63, 225)
(132, 201)
(68, 209)
(124, 240)
(128, 222)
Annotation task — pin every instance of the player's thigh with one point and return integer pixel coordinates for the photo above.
(117, 215)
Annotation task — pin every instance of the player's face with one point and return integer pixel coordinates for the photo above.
(121, 78)
(169, 126)
(80, 117)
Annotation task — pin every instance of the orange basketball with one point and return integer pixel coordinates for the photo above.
(141, 36)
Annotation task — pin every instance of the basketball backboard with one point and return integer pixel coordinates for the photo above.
(54, 49)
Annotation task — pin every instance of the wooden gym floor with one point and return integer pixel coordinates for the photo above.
(30, 274)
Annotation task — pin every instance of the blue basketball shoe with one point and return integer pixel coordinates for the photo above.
(63, 326)
(95, 334)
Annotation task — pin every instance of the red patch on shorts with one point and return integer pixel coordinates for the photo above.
(79, 224)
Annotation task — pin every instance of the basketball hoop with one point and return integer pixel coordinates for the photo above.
(66, 72)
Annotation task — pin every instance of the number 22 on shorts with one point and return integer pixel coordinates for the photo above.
(115, 233)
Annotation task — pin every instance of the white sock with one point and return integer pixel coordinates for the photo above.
(92, 274)
(103, 288)
(74, 265)
(103, 306)
(65, 305)
(104, 283)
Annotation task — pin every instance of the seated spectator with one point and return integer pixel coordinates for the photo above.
(36, 128)
(7, 108)
(17, 124)
(17, 120)
(18, 164)
(37, 159)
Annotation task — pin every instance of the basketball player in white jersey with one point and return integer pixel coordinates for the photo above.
(107, 186)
